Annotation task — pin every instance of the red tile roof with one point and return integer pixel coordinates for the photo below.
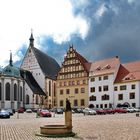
(83, 61)
(104, 66)
(128, 72)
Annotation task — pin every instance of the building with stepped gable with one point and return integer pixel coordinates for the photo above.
(72, 80)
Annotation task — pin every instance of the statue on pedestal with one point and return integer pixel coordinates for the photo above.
(68, 105)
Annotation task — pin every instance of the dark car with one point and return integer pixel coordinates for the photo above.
(4, 114)
(44, 113)
(59, 111)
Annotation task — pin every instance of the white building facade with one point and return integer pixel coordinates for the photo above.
(101, 83)
(112, 84)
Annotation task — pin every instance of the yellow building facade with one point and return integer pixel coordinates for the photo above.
(72, 80)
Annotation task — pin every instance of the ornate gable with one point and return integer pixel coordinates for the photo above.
(73, 65)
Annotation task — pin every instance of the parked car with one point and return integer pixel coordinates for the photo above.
(20, 110)
(136, 109)
(101, 111)
(78, 110)
(109, 111)
(28, 111)
(120, 110)
(129, 109)
(10, 111)
(34, 110)
(88, 111)
(44, 113)
(57, 110)
(4, 114)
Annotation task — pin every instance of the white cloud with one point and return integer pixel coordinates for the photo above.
(131, 1)
(46, 17)
(100, 11)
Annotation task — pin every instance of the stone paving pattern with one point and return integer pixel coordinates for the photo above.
(98, 127)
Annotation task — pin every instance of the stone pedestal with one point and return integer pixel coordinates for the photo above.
(68, 119)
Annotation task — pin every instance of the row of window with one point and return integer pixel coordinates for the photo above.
(75, 103)
(72, 83)
(76, 91)
(99, 78)
(124, 87)
(17, 94)
(73, 75)
(72, 68)
(106, 97)
(103, 106)
(27, 99)
(109, 105)
(131, 96)
(103, 98)
(105, 88)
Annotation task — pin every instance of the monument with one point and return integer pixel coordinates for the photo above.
(59, 130)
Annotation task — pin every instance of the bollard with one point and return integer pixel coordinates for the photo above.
(17, 115)
(36, 115)
(137, 114)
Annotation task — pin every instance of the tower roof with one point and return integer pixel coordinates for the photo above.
(31, 40)
(11, 70)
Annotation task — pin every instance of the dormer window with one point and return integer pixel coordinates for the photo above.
(107, 67)
(98, 68)
(127, 78)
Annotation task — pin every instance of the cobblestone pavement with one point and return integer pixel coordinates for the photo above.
(98, 127)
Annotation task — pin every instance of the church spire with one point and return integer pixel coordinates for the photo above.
(31, 39)
(11, 61)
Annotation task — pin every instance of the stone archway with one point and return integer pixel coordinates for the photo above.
(126, 104)
(91, 106)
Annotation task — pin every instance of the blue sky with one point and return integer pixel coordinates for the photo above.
(98, 29)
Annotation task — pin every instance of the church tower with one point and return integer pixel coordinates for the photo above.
(43, 69)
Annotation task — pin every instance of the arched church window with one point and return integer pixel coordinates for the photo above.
(27, 99)
(7, 91)
(0, 91)
(15, 92)
(21, 93)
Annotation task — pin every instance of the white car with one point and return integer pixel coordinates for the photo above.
(88, 111)
(130, 109)
(136, 109)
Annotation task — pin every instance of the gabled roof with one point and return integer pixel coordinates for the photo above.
(48, 65)
(106, 66)
(32, 83)
(128, 72)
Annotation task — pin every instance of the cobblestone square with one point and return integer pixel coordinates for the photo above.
(97, 127)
